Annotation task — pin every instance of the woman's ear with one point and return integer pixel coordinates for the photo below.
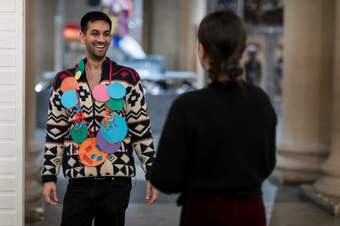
(202, 56)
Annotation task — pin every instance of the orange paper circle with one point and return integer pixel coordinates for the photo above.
(69, 83)
(89, 154)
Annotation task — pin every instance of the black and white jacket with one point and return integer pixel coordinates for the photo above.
(60, 150)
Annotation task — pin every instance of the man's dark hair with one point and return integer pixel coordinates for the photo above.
(93, 16)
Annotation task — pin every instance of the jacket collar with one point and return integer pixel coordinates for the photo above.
(107, 63)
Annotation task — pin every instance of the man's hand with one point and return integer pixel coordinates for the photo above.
(152, 193)
(50, 193)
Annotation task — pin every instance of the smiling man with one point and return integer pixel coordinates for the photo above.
(97, 118)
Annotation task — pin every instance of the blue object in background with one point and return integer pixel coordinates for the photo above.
(116, 41)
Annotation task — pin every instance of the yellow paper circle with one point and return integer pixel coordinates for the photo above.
(77, 75)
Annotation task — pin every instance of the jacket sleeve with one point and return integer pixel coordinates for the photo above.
(56, 130)
(270, 158)
(140, 128)
(170, 167)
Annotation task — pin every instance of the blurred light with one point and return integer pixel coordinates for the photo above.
(132, 25)
(106, 3)
(71, 31)
(38, 88)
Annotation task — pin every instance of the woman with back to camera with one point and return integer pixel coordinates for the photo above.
(218, 143)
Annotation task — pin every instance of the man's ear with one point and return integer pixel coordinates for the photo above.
(82, 37)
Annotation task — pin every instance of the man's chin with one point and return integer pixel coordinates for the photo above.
(99, 56)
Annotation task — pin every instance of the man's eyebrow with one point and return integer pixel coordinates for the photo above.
(96, 30)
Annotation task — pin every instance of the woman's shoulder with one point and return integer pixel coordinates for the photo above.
(191, 96)
(255, 91)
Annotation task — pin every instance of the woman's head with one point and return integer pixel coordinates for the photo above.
(222, 40)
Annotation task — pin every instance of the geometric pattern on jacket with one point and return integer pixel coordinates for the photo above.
(61, 151)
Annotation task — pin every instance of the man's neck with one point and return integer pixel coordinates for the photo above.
(92, 64)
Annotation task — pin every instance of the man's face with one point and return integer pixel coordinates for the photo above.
(97, 39)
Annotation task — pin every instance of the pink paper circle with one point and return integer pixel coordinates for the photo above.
(100, 93)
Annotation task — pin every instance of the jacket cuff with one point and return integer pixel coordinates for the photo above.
(147, 176)
(49, 178)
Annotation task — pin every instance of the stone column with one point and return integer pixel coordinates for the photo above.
(33, 189)
(191, 13)
(308, 60)
(39, 32)
(199, 12)
(326, 190)
(147, 28)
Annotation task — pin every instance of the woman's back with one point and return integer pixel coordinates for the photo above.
(218, 143)
(224, 131)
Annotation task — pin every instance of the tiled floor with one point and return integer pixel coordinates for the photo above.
(284, 204)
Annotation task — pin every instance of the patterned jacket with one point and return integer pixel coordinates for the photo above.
(60, 150)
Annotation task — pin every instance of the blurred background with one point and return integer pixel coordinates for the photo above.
(158, 39)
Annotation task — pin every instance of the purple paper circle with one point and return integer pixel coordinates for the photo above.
(106, 146)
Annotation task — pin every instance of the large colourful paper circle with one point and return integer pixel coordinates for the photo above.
(100, 93)
(105, 146)
(89, 154)
(69, 99)
(79, 133)
(69, 83)
(116, 90)
(115, 104)
(115, 131)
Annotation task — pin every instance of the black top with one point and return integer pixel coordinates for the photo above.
(217, 141)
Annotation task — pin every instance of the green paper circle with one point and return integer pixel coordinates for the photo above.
(116, 104)
(79, 134)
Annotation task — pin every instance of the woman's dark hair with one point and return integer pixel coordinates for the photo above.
(93, 16)
(223, 37)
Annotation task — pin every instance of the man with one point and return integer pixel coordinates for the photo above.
(253, 66)
(82, 119)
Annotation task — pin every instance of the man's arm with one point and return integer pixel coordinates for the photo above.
(141, 136)
(56, 130)
(139, 127)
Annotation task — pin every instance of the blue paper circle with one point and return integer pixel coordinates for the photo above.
(115, 131)
(69, 99)
(116, 90)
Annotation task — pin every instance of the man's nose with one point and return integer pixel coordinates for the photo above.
(101, 38)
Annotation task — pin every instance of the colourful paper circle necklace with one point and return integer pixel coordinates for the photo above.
(113, 128)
